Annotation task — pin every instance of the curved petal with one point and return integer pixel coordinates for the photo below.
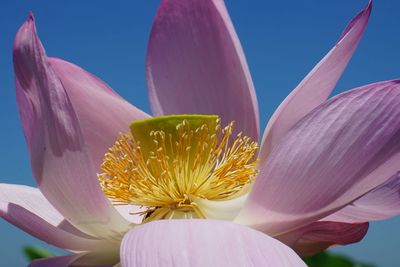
(316, 86)
(221, 210)
(32, 200)
(101, 112)
(318, 236)
(381, 203)
(202, 243)
(344, 148)
(59, 158)
(76, 260)
(195, 65)
(29, 210)
(131, 213)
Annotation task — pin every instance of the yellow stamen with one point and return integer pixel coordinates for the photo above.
(183, 163)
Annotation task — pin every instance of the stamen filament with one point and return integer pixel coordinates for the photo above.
(189, 162)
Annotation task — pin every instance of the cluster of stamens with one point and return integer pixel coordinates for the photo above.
(183, 165)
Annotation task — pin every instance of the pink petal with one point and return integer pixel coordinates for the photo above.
(195, 65)
(316, 86)
(59, 157)
(381, 203)
(202, 243)
(76, 260)
(341, 150)
(28, 209)
(101, 112)
(318, 236)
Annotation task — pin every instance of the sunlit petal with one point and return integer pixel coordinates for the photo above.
(60, 162)
(102, 113)
(195, 65)
(381, 203)
(28, 209)
(202, 243)
(346, 147)
(317, 85)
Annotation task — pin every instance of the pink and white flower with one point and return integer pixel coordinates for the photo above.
(327, 166)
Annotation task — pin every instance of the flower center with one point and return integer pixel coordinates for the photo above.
(166, 163)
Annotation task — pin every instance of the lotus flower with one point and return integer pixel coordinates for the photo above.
(325, 168)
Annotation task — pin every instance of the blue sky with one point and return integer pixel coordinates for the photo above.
(282, 40)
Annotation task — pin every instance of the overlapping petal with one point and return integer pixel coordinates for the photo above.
(60, 161)
(195, 65)
(202, 243)
(221, 210)
(320, 235)
(316, 86)
(380, 203)
(341, 150)
(102, 113)
(321, 156)
(28, 209)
